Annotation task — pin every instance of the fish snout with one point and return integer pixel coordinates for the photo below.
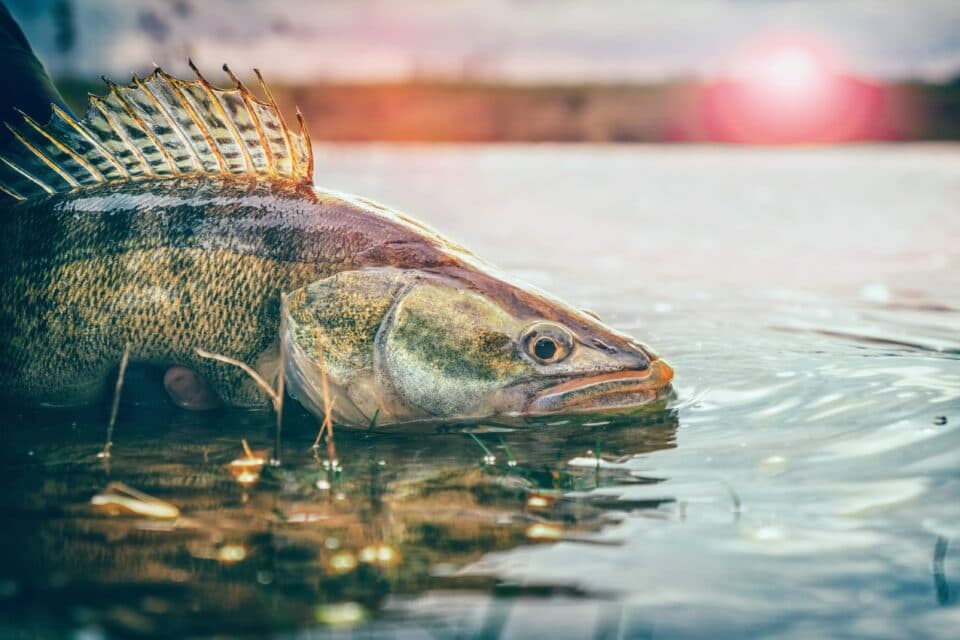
(661, 372)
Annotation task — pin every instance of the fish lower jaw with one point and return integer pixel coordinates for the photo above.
(609, 391)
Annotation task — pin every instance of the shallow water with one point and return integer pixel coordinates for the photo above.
(804, 483)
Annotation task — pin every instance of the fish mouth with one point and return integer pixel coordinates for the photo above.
(620, 389)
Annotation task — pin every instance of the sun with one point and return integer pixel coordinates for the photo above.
(791, 70)
(788, 67)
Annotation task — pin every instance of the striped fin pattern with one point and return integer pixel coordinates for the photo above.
(157, 127)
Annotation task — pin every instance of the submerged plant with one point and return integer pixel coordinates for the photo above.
(119, 499)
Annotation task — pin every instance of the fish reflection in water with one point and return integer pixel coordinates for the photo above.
(304, 544)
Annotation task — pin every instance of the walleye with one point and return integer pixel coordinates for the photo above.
(175, 214)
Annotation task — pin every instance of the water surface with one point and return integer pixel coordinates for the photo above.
(804, 483)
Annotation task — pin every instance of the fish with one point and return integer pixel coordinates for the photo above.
(177, 216)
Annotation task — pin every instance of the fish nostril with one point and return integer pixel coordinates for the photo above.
(603, 346)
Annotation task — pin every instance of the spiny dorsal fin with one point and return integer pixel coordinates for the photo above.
(157, 127)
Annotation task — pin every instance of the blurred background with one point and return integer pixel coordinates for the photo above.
(743, 71)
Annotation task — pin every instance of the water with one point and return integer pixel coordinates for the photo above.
(806, 482)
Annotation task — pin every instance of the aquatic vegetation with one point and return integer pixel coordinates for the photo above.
(119, 499)
(246, 470)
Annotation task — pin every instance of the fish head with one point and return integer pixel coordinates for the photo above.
(411, 345)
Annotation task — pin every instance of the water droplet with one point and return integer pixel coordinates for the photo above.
(539, 502)
(773, 463)
(541, 531)
(342, 562)
(230, 553)
(768, 533)
(382, 555)
(344, 614)
(875, 292)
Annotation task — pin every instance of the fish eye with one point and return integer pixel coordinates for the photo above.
(547, 343)
(545, 348)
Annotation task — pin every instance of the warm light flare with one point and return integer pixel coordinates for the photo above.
(785, 60)
(790, 88)
(787, 70)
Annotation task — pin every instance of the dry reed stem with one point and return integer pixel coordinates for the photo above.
(331, 445)
(327, 425)
(115, 407)
(281, 379)
(246, 471)
(275, 398)
(119, 498)
(276, 395)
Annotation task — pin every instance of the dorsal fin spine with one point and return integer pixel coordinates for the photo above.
(118, 129)
(60, 171)
(29, 176)
(86, 135)
(294, 166)
(80, 160)
(174, 126)
(10, 192)
(306, 137)
(214, 148)
(115, 90)
(245, 97)
(223, 113)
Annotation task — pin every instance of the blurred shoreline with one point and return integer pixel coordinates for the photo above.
(683, 111)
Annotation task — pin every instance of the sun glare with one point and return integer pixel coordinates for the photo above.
(789, 88)
(792, 68)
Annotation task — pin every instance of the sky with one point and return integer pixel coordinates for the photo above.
(510, 40)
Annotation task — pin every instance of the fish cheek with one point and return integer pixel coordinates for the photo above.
(446, 353)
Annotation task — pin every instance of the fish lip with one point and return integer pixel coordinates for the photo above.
(639, 385)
